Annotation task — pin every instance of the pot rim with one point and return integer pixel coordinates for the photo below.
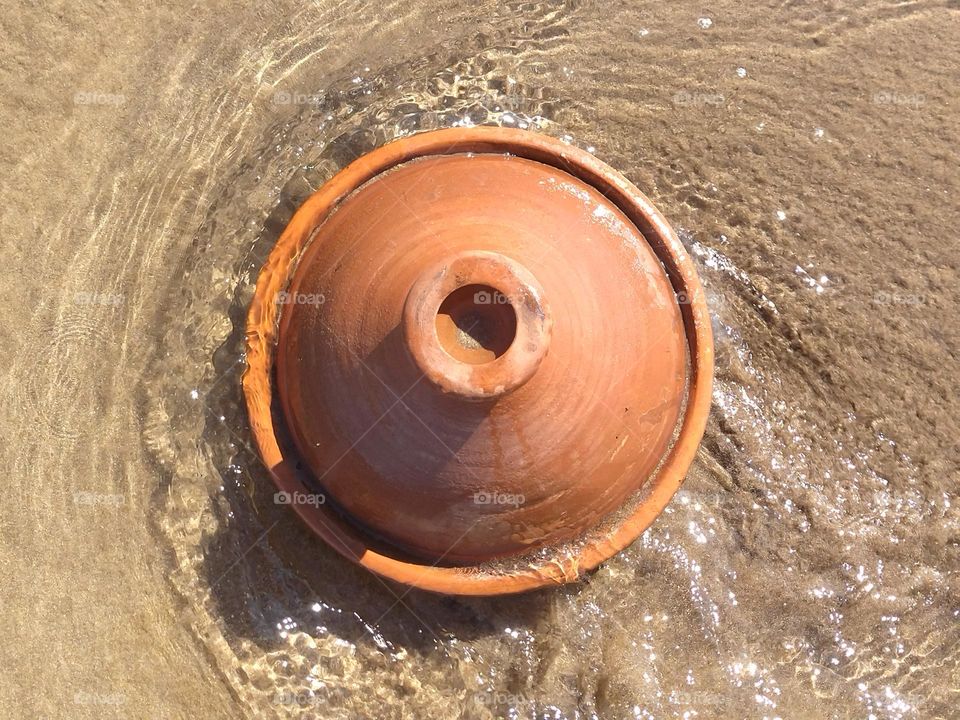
(261, 336)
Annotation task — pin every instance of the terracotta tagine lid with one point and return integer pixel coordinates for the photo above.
(492, 361)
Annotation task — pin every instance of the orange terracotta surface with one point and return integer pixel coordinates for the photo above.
(482, 364)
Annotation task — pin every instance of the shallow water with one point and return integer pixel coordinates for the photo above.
(807, 154)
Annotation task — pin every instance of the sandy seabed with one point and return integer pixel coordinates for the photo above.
(807, 153)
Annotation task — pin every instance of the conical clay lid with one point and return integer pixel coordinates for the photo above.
(486, 344)
(498, 361)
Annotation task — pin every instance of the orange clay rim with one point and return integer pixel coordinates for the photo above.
(261, 336)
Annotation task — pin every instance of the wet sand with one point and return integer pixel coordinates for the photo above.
(806, 152)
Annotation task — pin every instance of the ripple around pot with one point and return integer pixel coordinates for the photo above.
(482, 365)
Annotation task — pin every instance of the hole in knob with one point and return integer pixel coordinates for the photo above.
(476, 324)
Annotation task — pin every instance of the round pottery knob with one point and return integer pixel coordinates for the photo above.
(477, 325)
(481, 362)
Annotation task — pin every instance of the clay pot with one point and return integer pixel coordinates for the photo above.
(492, 358)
